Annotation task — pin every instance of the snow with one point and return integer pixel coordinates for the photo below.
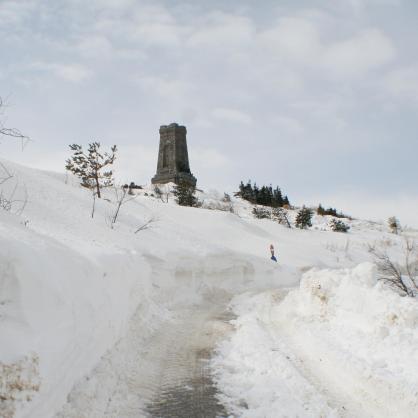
(81, 303)
(340, 344)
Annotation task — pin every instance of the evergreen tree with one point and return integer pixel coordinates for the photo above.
(320, 210)
(241, 189)
(264, 195)
(304, 218)
(277, 198)
(89, 166)
(256, 193)
(185, 194)
(338, 226)
(286, 201)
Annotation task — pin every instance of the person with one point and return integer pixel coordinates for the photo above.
(272, 253)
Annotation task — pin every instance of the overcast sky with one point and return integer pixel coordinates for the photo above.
(319, 97)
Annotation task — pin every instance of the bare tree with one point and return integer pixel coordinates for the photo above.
(12, 132)
(8, 199)
(5, 174)
(403, 278)
(280, 215)
(122, 197)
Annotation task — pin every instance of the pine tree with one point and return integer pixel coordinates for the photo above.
(89, 166)
(320, 210)
(185, 194)
(286, 201)
(264, 195)
(304, 218)
(338, 226)
(277, 198)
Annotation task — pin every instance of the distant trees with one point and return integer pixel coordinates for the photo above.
(265, 195)
(185, 194)
(131, 187)
(330, 211)
(89, 166)
(394, 225)
(304, 218)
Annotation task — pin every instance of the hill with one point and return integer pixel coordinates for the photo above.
(82, 300)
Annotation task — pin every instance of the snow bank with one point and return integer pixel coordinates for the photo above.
(351, 297)
(341, 341)
(69, 284)
(62, 308)
(256, 373)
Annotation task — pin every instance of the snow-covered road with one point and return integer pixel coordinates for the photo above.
(163, 374)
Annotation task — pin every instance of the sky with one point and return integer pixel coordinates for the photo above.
(319, 97)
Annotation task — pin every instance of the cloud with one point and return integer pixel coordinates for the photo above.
(292, 38)
(289, 125)
(313, 82)
(220, 31)
(136, 163)
(402, 83)
(355, 56)
(74, 73)
(231, 115)
(96, 46)
(208, 158)
(13, 13)
(167, 87)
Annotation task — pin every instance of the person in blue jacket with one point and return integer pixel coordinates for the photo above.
(272, 253)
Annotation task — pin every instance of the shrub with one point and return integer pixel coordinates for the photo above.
(280, 215)
(338, 226)
(394, 225)
(261, 212)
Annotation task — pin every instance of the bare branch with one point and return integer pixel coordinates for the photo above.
(121, 198)
(146, 225)
(12, 132)
(404, 279)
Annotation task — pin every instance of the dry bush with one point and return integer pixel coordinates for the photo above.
(401, 277)
(19, 381)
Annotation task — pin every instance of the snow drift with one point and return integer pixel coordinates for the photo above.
(341, 344)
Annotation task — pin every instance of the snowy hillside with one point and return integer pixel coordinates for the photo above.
(90, 315)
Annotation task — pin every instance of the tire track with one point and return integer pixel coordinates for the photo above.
(186, 388)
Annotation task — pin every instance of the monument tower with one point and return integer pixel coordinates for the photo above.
(173, 159)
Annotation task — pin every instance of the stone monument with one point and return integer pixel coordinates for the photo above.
(173, 159)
